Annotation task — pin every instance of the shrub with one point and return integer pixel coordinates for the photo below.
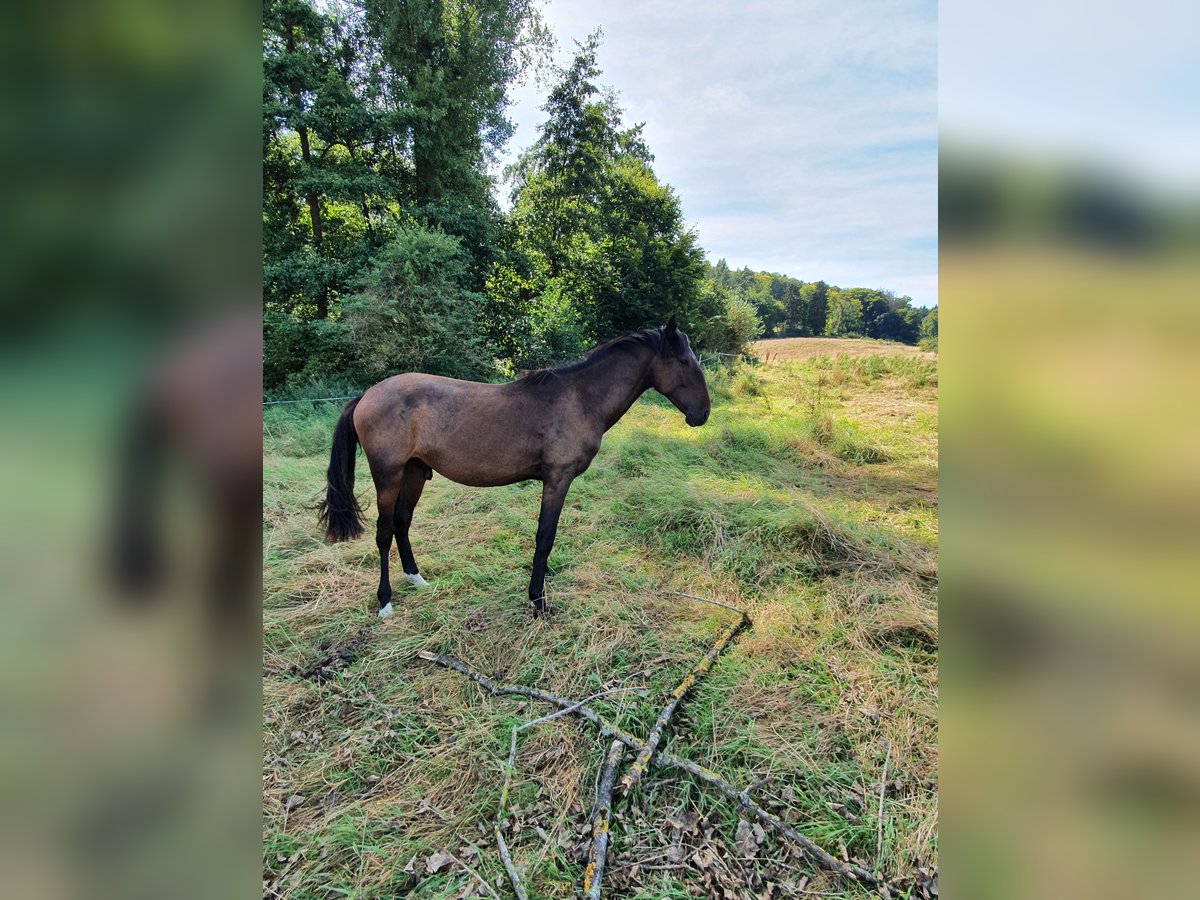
(297, 353)
(414, 312)
(731, 328)
(746, 381)
(929, 331)
(556, 331)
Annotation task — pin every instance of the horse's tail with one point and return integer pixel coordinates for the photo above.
(339, 512)
(135, 555)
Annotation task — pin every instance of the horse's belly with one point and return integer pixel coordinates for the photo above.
(477, 478)
(480, 469)
(488, 481)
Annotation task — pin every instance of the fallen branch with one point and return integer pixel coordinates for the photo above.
(598, 852)
(505, 857)
(513, 875)
(663, 758)
(638, 769)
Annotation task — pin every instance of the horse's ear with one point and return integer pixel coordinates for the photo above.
(671, 326)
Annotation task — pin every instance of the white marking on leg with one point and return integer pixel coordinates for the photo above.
(416, 579)
(386, 611)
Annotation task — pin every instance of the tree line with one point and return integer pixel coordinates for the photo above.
(384, 246)
(789, 307)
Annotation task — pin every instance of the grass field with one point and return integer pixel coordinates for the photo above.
(810, 499)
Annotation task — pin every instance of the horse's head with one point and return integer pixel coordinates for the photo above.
(676, 374)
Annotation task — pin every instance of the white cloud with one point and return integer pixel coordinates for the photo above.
(800, 136)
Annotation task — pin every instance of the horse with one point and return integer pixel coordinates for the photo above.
(545, 426)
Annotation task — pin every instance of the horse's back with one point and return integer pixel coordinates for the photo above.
(471, 432)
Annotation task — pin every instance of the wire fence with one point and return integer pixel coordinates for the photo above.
(310, 400)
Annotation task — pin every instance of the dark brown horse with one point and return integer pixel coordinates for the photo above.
(545, 426)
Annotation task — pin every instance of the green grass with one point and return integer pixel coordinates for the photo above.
(810, 499)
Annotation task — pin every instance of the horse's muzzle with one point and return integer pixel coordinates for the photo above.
(694, 420)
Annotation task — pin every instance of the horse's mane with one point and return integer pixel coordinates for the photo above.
(648, 337)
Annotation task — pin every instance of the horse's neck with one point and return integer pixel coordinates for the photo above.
(611, 385)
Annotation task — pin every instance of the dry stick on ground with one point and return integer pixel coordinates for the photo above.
(505, 857)
(598, 852)
(638, 769)
(663, 758)
(706, 600)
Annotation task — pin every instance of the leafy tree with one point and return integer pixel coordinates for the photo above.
(876, 309)
(845, 314)
(929, 330)
(731, 322)
(791, 307)
(415, 312)
(377, 115)
(755, 289)
(909, 328)
(450, 65)
(603, 245)
(817, 306)
(795, 308)
(300, 53)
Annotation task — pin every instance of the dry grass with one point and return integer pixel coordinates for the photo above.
(786, 349)
(373, 758)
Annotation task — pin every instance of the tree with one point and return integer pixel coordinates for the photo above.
(729, 323)
(818, 307)
(377, 116)
(909, 328)
(415, 312)
(450, 66)
(845, 315)
(876, 311)
(794, 308)
(298, 53)
(603, 248)
(929, 330)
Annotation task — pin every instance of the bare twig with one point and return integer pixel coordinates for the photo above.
(882, 789)
(598, 852)
(634, 775)
(707, 600)
(663, 758)
(505, 856)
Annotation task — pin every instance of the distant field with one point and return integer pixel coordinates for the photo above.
(808, 347)
(810, 498)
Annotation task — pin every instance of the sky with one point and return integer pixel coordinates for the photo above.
(800, 136)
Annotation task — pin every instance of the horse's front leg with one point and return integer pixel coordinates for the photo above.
(554, 492)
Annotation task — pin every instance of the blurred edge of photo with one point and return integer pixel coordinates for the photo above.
(1069, 215)
(130, 376)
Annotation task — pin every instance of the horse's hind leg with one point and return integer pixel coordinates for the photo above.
(412, 483)
(384, 529)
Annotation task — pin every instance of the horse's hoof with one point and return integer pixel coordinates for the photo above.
(385, 611)
(416, 580)
(540, 608)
